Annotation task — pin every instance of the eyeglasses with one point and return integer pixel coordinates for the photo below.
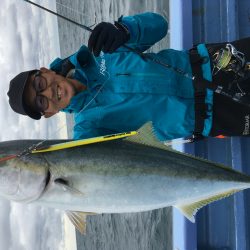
(40, 84)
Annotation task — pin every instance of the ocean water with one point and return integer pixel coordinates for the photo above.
(138, 231)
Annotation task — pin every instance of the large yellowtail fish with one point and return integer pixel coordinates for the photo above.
(120, 176)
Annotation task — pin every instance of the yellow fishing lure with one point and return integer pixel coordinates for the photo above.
(77, 143)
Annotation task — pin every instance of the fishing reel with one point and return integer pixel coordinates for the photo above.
(229, 59)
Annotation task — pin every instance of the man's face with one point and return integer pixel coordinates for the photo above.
(48, 92)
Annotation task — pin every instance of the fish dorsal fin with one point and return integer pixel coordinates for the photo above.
(78, 219)
(190, 210)
(145, 135)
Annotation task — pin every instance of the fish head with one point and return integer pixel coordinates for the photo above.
(23, 178)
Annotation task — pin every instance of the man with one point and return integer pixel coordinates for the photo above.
(120, 90)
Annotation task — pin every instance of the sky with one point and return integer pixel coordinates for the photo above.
(28, 39)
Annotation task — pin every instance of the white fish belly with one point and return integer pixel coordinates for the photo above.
(133, 193)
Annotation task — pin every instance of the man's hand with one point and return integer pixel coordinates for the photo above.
(107, 37)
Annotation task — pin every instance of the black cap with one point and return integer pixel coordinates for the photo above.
(15, 93)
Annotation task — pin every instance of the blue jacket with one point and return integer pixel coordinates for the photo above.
(124, 91)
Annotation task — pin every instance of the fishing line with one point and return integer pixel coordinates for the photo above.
(79, 13)
(57, 131)
(92, 99)
(99, 90)
(59, 15)
(145, 57)
(9, 157)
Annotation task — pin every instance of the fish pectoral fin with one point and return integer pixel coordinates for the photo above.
(145, 135)
(78, 219)
(190, 210)
(66, 186)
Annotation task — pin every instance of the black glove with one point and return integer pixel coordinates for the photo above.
(107, 37)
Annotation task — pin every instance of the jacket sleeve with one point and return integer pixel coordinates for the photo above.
(145, 29)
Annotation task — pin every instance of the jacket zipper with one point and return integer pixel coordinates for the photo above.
(139, 74)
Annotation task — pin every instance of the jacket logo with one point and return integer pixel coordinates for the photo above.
(102, 64)
(246, 129)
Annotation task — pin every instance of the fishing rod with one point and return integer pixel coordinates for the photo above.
(59, 15)
(78, 24)
(145, 57)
